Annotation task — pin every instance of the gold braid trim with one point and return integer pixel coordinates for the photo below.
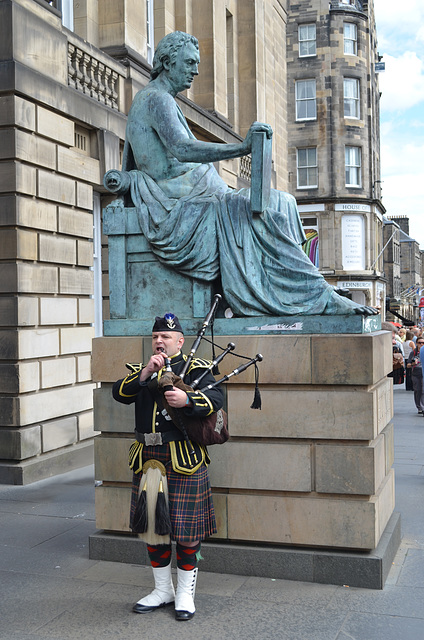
(135, 459)
(182, 461)
(180, 457)
(198, 363)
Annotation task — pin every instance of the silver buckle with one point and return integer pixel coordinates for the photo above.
(152, 439)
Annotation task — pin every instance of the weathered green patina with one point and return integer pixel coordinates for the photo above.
(187, 233)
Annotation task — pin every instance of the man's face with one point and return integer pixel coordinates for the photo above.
(170, 341)
(182, 72)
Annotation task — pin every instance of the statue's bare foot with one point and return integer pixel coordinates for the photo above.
(339, 305)
(366, 311)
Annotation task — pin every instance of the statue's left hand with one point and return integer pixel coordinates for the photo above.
(261, 126)
(256, 126)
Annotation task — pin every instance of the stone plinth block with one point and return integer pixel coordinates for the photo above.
(310, 521)
(389, 443)
(255, 466)
(109, 415)
(350, 469)
(293, 411)
(111, 459)
(113, 507)
(366, 570)
(287, 359)
(361, 360)
(109, 356)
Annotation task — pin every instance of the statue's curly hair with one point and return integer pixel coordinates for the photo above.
(168, 48)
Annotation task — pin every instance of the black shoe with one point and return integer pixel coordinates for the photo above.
(183, 615)
(142, 608)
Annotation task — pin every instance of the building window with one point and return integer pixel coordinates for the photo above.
(307, 40)
(306, 102)
(307, 168)
(351, 97)
(353, 166)
(350, 33)
(150, 30)
(311, 246)
(66, 7)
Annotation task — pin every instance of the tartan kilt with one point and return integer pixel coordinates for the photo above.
(190, 498)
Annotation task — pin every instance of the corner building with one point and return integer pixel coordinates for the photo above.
(69, 72)
(333, 133)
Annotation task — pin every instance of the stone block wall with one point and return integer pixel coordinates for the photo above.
(46, 285)
(312, 468)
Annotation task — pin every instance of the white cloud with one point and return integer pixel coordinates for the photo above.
(402, 83)
(401, 40)
(389, 15)
(420, 34)
(402, 158)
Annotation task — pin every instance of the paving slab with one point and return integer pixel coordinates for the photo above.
(412, 574)
(383, 628)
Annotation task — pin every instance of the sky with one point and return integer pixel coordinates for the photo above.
(400, 35)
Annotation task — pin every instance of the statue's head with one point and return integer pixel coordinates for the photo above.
(168, 49)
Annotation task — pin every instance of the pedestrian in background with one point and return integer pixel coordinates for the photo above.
(408, 347)
(414, 362)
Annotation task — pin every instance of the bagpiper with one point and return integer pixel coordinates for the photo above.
(171, 497)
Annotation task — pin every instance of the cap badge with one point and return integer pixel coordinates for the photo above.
(169, 317)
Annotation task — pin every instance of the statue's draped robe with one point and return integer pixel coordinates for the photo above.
(202, 228)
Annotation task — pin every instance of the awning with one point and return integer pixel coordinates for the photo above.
(406, 322)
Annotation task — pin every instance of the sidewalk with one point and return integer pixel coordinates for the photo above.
(51, 590)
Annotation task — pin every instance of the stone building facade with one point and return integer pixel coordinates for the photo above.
(333, 132)
(69, 73)
(404, 297)
(391, 258)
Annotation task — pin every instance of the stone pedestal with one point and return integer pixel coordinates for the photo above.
(312, 469)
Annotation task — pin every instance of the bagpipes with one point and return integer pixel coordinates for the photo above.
(212, 429)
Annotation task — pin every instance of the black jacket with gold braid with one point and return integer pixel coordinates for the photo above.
(149, 414)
